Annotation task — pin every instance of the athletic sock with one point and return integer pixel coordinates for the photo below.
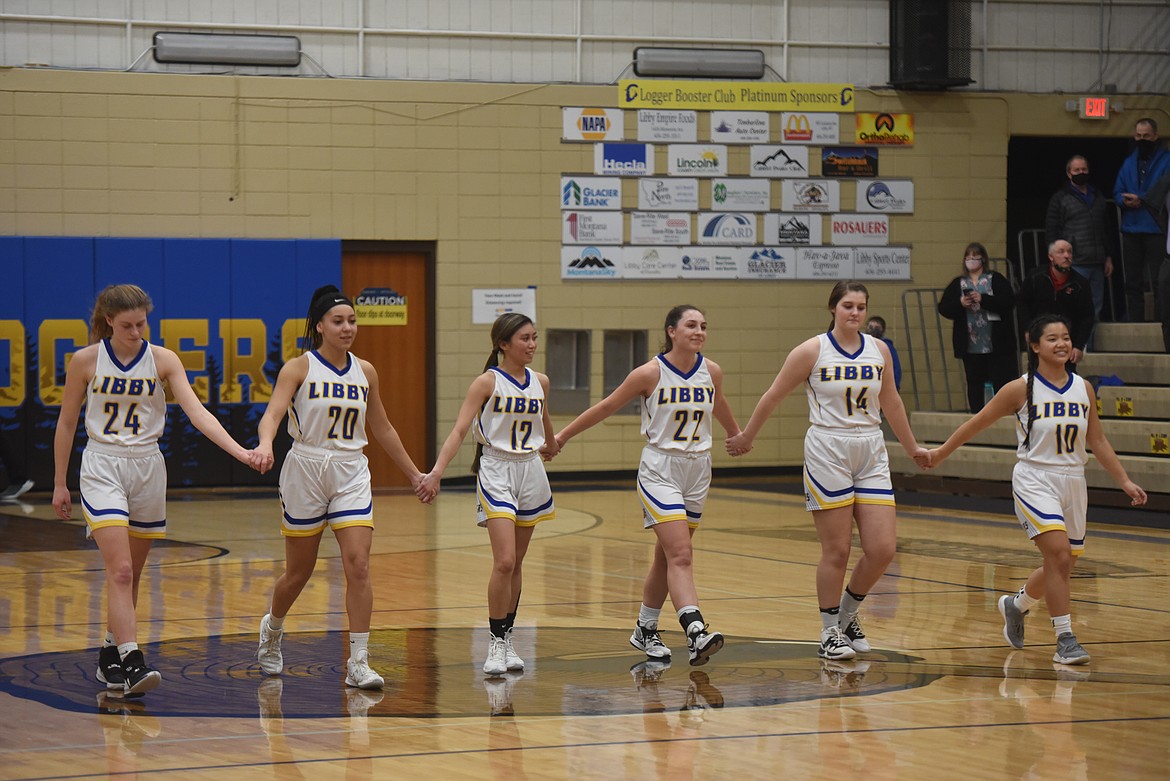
(688, 616)
(274, 623)
(125, 648)
(1024, 603)
(648, 616)
(498, 626)
(850, 603)
(830, 616)
(358, 641)
(1062, 624)
(109, 640)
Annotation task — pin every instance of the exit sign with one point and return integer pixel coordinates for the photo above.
(1093, 108)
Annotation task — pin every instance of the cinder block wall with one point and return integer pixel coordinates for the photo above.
(474, 168)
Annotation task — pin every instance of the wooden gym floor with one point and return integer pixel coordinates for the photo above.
(941, 696)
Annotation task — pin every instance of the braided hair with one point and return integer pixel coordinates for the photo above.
(503, 329)
(1035, 331)
(324, 298)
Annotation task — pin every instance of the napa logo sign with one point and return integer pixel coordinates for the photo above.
(729, 228)
(623, 159)
(592, 124)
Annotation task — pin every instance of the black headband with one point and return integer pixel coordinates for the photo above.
(324, 303)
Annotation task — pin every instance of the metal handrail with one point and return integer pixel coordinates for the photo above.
(923, 304)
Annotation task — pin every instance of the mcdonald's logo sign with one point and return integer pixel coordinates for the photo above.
(798, 128)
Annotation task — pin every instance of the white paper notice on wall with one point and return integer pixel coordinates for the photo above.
(489, 303)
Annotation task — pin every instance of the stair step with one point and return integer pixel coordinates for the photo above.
(1128, 338)
(994, 463)
(1132, 368)
(1131, 401)
(1137, 437)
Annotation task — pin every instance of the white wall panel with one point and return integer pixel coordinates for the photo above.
(1040, 46)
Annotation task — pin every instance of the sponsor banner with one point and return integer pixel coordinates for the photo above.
(668, 126)
(660, 228)
(741, 195)
(892, 129)
(489, 303)
(769, 263)
(740, 127)
(712, 262)
(668, 194)
(853, 230)
(824, 263)
(779, 161)
(696, 160)
(735, 95)
(592, 124)
(651, 262)
(797, 127)
(894, 196)
(728, 228)
(591, 192)
(380, 306)
(883, 263)
(802, 230)
(849, 161)
(623, 159)
(810, 195)
(591, 227)
(590, 262)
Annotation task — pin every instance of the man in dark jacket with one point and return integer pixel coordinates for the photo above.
(1057, 289)
(1079, 214)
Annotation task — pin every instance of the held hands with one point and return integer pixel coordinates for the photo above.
(926, 459)
(426, 487)
(63, 504)
(548, 451)
(738, 445)
(260, 459)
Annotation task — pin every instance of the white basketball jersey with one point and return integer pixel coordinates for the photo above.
(1060, 426)
(329, 409)
(512, 419)
(125, 404)
(843, 388)
(677, 415)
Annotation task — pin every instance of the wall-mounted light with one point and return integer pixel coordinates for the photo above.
(220, 49)
(699, 63)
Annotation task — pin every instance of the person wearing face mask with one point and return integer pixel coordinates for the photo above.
(1079, 214)
(979, 302)
(1057, 289)
(1142, 239)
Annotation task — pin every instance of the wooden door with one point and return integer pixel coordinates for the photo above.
(400, 353)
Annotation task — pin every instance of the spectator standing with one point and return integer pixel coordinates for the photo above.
(1057, 289)
(1142, 238)
(1079, 214)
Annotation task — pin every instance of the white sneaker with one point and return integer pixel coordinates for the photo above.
(511, 659)
(647, 639)
(268, 654)
(854, 636)
(497, 658)
(833, 645)
(358, 672)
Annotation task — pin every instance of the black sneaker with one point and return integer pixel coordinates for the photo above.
(137, 677)
(109, 670)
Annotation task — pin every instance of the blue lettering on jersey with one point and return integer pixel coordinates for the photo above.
(686, 395)
(120, 386)
(851, 373)
(518, 405)
(1060, 409)
(338, 390)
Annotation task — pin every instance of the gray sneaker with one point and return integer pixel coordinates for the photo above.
(1069, 651)
(1013, 621)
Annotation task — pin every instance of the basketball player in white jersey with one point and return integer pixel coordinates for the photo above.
(122, 381)
(505, 407)
(1056, 417)
(681, 390)
(846, 468)
(328, 393)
